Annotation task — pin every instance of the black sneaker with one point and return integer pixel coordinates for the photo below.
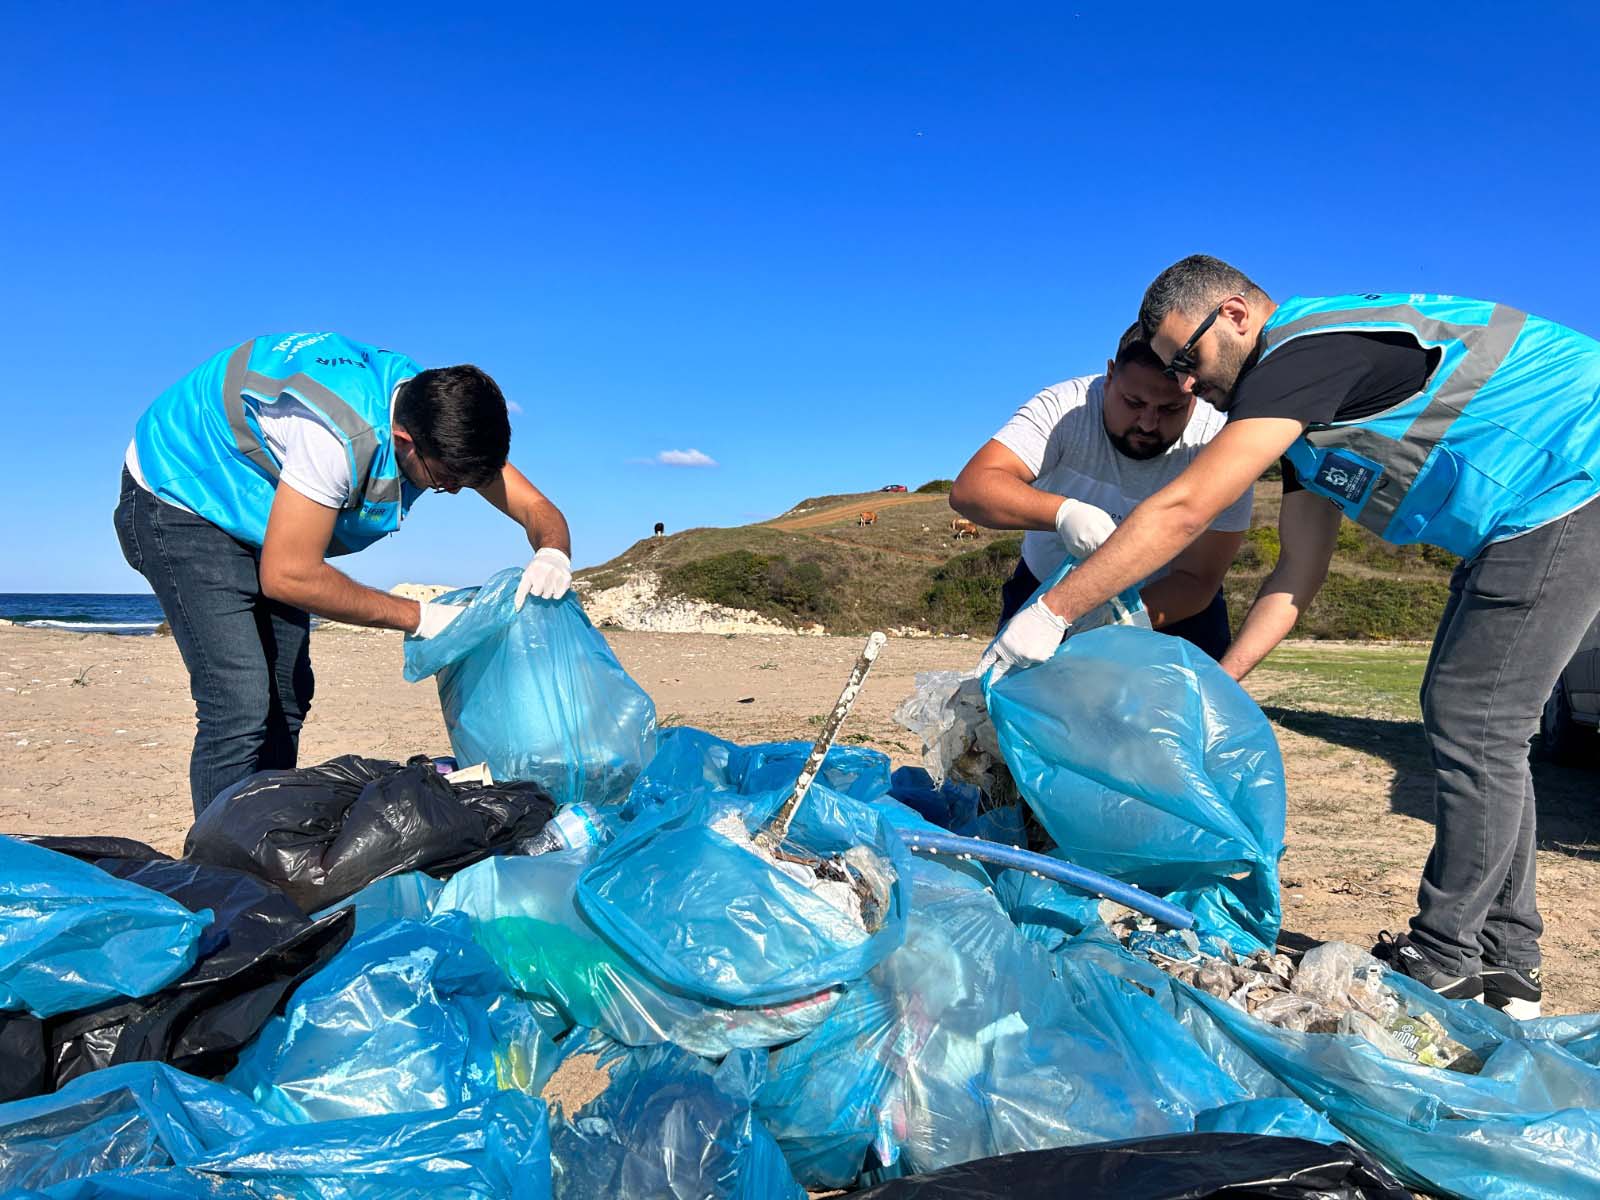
(1515, 991)
(1402, 956)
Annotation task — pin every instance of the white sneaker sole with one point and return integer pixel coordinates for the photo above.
(1522, 1010)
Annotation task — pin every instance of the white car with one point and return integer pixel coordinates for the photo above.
(1570, 727)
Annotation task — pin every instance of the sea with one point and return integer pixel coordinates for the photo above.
(83, 612)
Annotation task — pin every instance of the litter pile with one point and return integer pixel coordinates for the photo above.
(371, 979)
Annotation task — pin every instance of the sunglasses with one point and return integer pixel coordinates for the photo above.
(1183, 361)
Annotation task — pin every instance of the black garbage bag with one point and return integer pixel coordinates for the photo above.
(1195, 1166)
(257, 950)
(323, 833)
(91, 849)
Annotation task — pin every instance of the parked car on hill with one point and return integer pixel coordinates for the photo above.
(1570, 726)
(893, 487)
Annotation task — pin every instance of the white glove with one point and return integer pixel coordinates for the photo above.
(435, 618)
(1029, 638)
(548, 577)
(1083, 527)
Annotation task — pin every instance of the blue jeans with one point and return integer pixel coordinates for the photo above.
(249, 658)
(1208, 629)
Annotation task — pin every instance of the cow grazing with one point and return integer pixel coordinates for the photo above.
(660, 529)
(867, 518)
(960, 527)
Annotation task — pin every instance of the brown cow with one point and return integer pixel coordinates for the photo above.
(867, 518)
(960, 527)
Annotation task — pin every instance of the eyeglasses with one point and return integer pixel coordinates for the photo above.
(1183, 361)
(433, 484)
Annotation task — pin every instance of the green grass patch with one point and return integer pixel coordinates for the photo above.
(1377, 679)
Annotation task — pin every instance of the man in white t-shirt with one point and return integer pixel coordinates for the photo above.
(1075, 461)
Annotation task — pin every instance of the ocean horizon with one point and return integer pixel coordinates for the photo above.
(124, 613)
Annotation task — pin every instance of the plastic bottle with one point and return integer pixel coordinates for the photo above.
(575, 826)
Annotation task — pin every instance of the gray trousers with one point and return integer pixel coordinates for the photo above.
(1515, 617)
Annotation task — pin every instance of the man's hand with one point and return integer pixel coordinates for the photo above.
(435, 618)
(548, 577)
(1029, 638)
(1083, 527)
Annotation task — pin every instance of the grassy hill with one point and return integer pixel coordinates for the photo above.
(815, 564)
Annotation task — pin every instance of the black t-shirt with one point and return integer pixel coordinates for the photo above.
(1328, 377)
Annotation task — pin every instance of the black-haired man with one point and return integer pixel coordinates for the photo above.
(1076, 459)
(249, 472)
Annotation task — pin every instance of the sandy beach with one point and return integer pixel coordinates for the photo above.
(95, 734)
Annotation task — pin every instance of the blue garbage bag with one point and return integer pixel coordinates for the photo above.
(407, 896)
(524, 914)
(691, 760)
(970, 1041)
(1525, 1126)
(536, 694)
(1145, 761)
(146, 1130)
(73, 936)
(669, 1124)
(685, 897)
(407, 1018)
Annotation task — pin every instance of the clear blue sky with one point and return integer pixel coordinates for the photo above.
(831, 247)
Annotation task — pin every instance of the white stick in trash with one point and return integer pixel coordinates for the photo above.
(772, 836)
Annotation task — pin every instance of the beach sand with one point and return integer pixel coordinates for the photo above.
(95, 734)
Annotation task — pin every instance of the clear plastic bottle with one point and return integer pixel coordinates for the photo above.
(575, 826)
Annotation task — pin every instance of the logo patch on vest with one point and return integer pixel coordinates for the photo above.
(1344, 477)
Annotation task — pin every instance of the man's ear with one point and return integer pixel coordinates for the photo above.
(401, 436)
(1111, 365)
(1235, 310)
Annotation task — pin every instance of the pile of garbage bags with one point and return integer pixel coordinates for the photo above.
(373, 979)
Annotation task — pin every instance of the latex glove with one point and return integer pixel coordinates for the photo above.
(1029, 638)
(435, 618)
(548, 577)
(1083, 527)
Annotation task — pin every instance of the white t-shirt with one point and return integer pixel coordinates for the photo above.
(1061, 435)
(314, 459)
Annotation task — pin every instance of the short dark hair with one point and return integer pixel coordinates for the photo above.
(1192, 286)
(457, 415)
(1134, 348)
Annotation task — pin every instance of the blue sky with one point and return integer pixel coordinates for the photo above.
(830, 247)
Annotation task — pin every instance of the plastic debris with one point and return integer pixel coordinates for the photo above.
(536, 694)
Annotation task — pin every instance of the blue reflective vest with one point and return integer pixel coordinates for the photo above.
(200, 443)
(1503, 438)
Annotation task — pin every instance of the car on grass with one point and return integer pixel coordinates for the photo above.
(1570, 725)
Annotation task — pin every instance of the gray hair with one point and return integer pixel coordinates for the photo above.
(1192, 286)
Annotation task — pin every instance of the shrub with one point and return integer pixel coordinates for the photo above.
(937, 486)
(766, 583)
(964, 595)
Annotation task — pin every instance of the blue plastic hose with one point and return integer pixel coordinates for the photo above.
(1081, 878)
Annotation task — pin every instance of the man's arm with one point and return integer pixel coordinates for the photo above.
(1196, 574)
(995, 490)
(1308, 528)
(514, 495)
(1165, 524)
(294, 570)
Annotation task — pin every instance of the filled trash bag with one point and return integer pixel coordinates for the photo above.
(537, 694)
(688, 899)
(255, 951)
(1144, 760)
(1196, 1166)
(72, 936)
(146, 1130)
(408, 1018)
(524, 914)
(970, 1041)
(669, 1124)
(407, 897)
(1525, 1124)
(323, 833)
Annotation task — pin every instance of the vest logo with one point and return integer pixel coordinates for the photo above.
(342, 361)
(1344, 477)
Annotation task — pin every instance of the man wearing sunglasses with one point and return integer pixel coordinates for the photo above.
(1077, 458)
(1456, 423)
(274, 455)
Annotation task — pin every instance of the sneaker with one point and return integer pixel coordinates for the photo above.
(1515, 991)
(1401, 955)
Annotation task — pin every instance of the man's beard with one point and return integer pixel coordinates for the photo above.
(1141, 450)
(1233, 358)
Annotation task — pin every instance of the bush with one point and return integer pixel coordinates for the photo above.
(766, 583)
(1352, 607)
(964, 595)
(1260, 549)
(937, 486)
